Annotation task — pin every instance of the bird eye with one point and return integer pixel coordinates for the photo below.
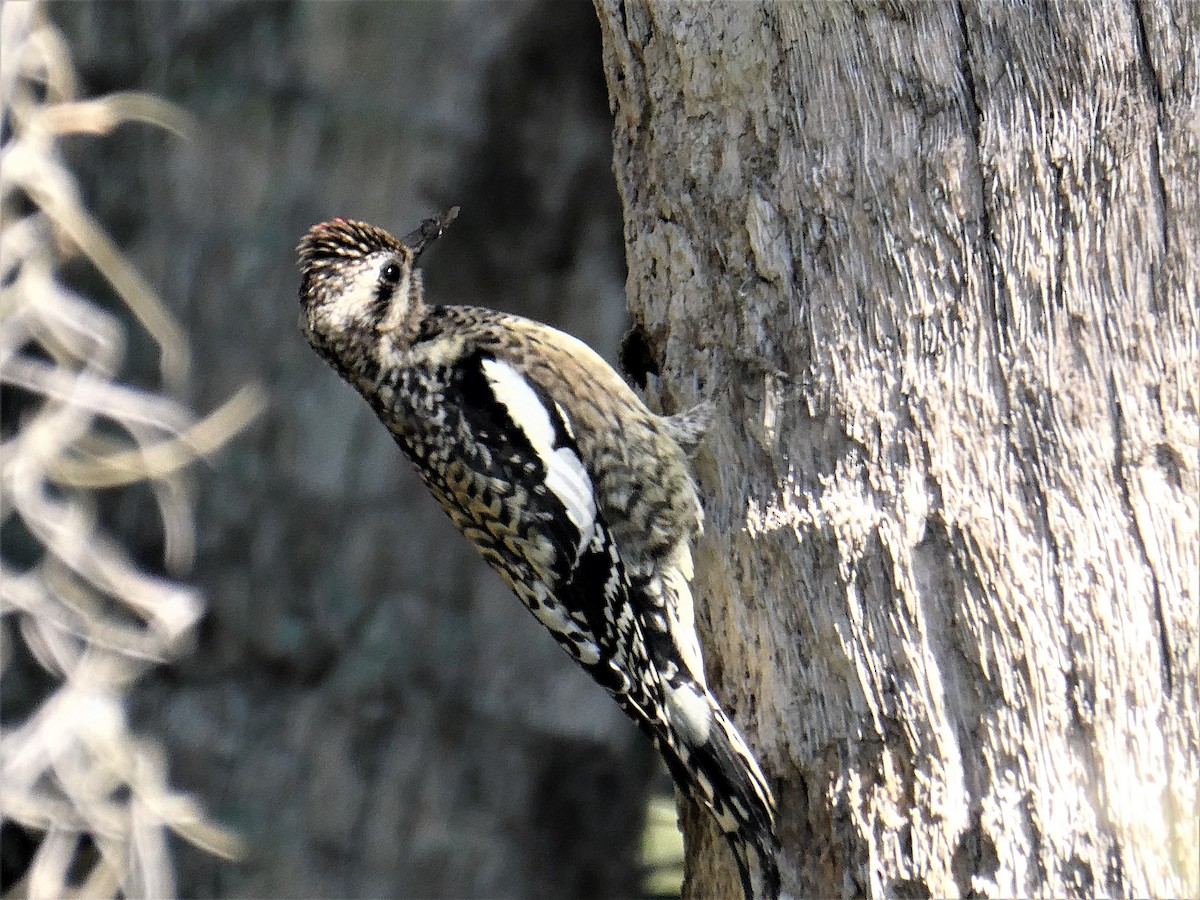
(391, 273)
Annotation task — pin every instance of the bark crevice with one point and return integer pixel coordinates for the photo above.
(1121, 474)
(1154, 83)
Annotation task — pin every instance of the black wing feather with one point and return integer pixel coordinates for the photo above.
(586, 580)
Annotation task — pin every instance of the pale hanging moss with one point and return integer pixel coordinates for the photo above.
(72, 771)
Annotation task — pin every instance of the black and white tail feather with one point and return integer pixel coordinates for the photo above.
(574, 492)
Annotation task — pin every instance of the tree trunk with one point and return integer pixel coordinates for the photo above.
(937, 264)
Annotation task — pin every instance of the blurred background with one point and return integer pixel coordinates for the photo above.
(365, 704)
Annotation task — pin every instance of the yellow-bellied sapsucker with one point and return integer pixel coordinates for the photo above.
(575, 493)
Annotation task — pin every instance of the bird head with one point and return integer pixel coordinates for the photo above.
(361, 290)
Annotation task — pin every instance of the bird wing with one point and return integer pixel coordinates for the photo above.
(517, 486)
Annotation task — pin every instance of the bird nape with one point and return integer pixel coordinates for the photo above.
(580, 497)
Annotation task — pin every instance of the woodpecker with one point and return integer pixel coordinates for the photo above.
(579, 496)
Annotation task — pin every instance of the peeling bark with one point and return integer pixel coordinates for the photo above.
(937, 265)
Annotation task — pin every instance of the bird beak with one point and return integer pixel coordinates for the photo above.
(428, 232)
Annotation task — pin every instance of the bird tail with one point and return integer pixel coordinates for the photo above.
(717, 768)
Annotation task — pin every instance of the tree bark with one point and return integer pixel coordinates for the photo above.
(937, 265)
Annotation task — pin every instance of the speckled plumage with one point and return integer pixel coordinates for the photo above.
(578, 495)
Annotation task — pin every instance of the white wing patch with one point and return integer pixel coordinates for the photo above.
(673, 584)
(566, 477)
(690, 711)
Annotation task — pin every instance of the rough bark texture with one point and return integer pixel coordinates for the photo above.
(937, 264)
(368, 704)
